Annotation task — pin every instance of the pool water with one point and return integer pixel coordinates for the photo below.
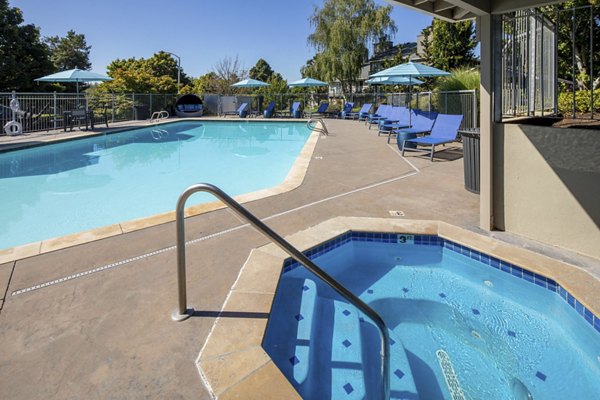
(461, 328)
(68, 187)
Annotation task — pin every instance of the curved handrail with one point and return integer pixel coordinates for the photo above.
(183, 312)
(159, 115)
(312, 124)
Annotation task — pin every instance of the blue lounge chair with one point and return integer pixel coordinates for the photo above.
(242, 111)
(400, 117)
(377, 113)
(270, 110)
(347, 110)
(321, 111)
(364, 110)
(422, 122)
(445, 130)
(295, 111)
(383, 114)
(362, 115)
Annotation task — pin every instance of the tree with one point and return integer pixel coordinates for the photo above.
(23, 56)
(229, 71)
(69, 52)
(157, 74)
(262, 71)
(449, 45)
(573, 31)
(343, 32)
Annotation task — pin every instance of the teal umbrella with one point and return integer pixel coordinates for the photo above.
(393, 80)
(76, 76)
(250, 83)
(308, 82)
(410, 70)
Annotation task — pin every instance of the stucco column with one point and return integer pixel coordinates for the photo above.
(486, 196)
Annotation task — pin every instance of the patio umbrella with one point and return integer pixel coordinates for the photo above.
(250, 83)
(393, 80)
(410, 70)
(74, 75)
(307, 82)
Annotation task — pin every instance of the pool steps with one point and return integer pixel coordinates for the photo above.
(351, 368)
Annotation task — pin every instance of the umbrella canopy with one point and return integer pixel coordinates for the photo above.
(308, 82)
(393, 80)
(411, 69)
(250, 83)
(74, 75)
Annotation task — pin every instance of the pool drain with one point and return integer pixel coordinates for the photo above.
(488, 283)
(456, 391)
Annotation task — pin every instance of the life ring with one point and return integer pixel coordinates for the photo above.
(13, 128)
(14, 105)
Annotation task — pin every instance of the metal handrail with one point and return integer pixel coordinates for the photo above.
(314, 127)
(183, 312)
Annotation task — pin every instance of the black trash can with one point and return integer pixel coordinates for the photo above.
(470, 140)
(141, 112)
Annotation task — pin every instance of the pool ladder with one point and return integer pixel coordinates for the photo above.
(312, 125)
(158, 116)
(183, 312)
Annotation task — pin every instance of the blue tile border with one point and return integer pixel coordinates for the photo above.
(434, 240)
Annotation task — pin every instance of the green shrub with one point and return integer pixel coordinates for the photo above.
(583, 101)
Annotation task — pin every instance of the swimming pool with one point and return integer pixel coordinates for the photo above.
(77, 185)
(463, 325)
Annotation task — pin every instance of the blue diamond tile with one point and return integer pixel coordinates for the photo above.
(512, 334)
(361, 319)
(347, 343)
(399, 373)
(475, 311)
(541, 376)
(405, 290)
(442, 295)
(299, 317)
(348, 388)
(305, 288)
(392, 342)
(294, 360)
(370, 291)
(346, 312)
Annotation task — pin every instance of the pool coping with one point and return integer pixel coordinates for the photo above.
(232, 363)
(294, 179)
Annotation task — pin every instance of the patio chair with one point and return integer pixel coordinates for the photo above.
(295, 110)
(362, 115)
(364, 110)
(421, 123)
(268, 113)
(445, 130)
(242, 111)
(383, 114)
(400, 117)
(347, 110)
(377, 113)
(321, 111)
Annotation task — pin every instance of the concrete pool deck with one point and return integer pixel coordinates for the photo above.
(106, 331)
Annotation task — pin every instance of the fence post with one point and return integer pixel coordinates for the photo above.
(54, 109)
(132, 106)
(475, 110)
(112, 108)
(150, 104)
(429, 101)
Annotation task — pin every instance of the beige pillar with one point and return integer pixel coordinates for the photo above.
(485, 31)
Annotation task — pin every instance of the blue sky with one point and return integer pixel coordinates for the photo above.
(201, 32)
